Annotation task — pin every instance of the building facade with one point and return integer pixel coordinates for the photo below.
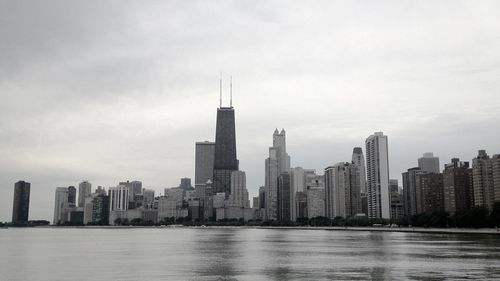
(429, 163)
(21, 204)
(204, 162)
(377, 172)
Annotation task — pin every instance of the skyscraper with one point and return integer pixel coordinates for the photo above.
(60, 205)
(429, 163)
(457, 185)
(239, 192)
(342, 190)
(21, 204)
(72, 195)
(84, 190)
(278, 162)
(430, 193)
(410, 190)
(204, 162)
(482, 175)
(377, 171)
(225, 161)
(359, 160)
(284, 197)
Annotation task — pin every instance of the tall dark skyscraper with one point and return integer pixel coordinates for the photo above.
(21, 203)
(225, 161)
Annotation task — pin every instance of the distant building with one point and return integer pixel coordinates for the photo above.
(315, 201)
(429, 163)
(186, 184)
(84, 190)
(301, 204)
(486, 179)
(410, 190)
(100, 209)
(359, 160)
(134, 189)
(298, 184)
(118, 202)
(457, 186)
(284, 197)
(204, 162)
(239, 192)
(72, 195)
(377, 171)
(225, 161)
(21, 205)
(60, 205)
(342, 190)
(397, 200)
(148, 197)
(278, 162)
(430, 193)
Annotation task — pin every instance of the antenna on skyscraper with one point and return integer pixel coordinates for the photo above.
(220, 91)
(231, 91)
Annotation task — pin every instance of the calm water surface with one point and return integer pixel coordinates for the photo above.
(243, 254)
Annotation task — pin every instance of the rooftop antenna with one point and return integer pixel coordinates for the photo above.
(231, 91)
(220, 91)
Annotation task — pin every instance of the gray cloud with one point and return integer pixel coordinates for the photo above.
(116, 90)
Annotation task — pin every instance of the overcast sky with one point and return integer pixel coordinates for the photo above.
(115, 90)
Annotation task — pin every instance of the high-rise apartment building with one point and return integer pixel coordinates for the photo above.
(430, 193)
(84, 191)
(397, 201)
(457, 185)
(484, 172)
(410, 190)
(342, 190)
(204, 162)
(21, 204)
(225, 161)
(377, 171)
(429, 163)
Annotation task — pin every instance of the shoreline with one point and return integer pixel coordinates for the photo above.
(491, 231)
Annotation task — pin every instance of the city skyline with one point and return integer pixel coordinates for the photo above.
(91, 106)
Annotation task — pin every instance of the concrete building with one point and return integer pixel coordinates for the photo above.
(410, 190)
(134, 189)
(377, 171)
(315, 201)
(284, 197)
(397, 200)
(84, 190)
(485, 175)
(457, 186)
(72, 195)
(118, 202)
(100, 208)
(148, 196)
(301, 205)
(430, 193)
(204, 162)
(21, 204)
(342, 190)
(429, 163)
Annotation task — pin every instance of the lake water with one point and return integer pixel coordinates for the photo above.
(243, 254)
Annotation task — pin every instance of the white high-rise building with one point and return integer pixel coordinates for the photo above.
(377, 171)
(118, 198)
(239, 192)
(278, 162)
(84, 191)
(204, 162)
(359, 160)
(428, 163)
(60, 204)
